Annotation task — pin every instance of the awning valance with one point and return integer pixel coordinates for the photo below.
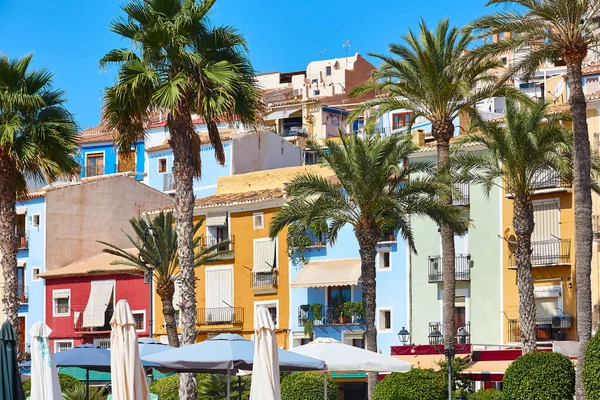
(21, 210)
(216, 219)
(264, 256)
(328, 273)
(281, 114)
(100, 296)
(489, 367)
(61, 294)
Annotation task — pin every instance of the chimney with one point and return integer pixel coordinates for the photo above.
(495, 38)
(418, 137)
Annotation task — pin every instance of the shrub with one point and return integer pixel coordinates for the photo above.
(417, 384)
(488, 394)
(67, 384)
(591, 369)
(208, 387)
(307, 386)
(540, 376)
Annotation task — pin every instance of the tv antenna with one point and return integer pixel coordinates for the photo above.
(321, 53)
(346, 44)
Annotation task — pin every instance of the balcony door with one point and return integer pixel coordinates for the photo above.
(546, 232)
(219, 294)
(94, 165)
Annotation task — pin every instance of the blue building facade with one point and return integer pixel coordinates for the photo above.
(103, 158)
(392, 293)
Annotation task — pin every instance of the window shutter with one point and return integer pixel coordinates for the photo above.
(546, 218)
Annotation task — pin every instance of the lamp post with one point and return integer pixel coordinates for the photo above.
(149, 232)
(404, 336)
(436, 338)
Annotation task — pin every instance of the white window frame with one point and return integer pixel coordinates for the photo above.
(378, 324)
(39, 216)
(143, 312)
(60, 341)
(54, 313)
(268, 303)
(96, 341)
(34, 277)
(380, 266)
(166, 165)
(262, 218)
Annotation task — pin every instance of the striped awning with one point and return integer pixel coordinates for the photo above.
(281, 114)
(216, 219)
(264, 256)
(340, 272)
(100, 297)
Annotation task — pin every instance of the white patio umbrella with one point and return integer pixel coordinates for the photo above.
(265, 370)
(341, 357)
(128, 378)
(44, 374)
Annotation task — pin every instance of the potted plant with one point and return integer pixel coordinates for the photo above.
(388, 228)
(359, 312)
(319, 229)
(308, 327)
(317, 309)
(348, 311)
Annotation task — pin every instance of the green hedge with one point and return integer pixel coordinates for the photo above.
(540, 376)
(591, 370)
(487, 394)
(417, 384)
(208, 387)
(307, 386)
(67, 383)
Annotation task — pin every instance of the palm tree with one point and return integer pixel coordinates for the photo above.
(547, 30)
(527, 142)
(37, 143)
(155, 242)
(429, 76)
(214, 387)
(180, 64)
(372, 190)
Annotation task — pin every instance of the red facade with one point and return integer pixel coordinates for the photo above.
(68, 326)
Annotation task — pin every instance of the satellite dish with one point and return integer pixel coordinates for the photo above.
(507, 232)
(558, 89)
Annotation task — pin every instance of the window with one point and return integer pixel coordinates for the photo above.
(104, 343)
(94, 165)
(546, 215)
(140, 320)
(35, 220)
(35, 271)
(338, 295)
(264, 271)
(162, 165)
(504, 61)
(258, 220)
(61, 299)
(360, 343)
(400, 120)
(62, 345)
(316, 92)
(328, 71)
(219, 295)
(272, 306)
(385, 320)
(385, 259)
(310, 157)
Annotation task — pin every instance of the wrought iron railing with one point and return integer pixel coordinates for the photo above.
(23, 239)
(264, 280)
(558, 328)
(329, 316)
(462, 334)
(462, 268)
(547, 179)
(547, 252)
(462, 197)
(168, 182)
(23, 294)
(316, 240)
(208, 241)
(220, 316)
(389, 236)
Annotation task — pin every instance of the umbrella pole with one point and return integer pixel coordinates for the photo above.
(87, 384)
(228, 384)
(239, 387)
(325, 385)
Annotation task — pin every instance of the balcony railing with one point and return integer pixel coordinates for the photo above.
(462, 334)
(462, 197)
(547, 253)
(23, 294)
(220, 316)
(462, 268)
(264, 280)
(94, 170)
(209, 241)
(294, 131)
(330, 316)
(168, 182)
(557, 328)
(316, 241)
(388, 236)
(548, 179)
(79, 328)
(23, 240)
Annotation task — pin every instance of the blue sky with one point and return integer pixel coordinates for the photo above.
(70, 36)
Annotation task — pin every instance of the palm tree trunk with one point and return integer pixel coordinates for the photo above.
(523, 223)
(583, 217)
(442, 132)
(367, 241)
(170, 323)
(8, 239)
(181, 129)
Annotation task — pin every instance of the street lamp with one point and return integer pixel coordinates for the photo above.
(436, 337)
(150, 265)
(404, 336)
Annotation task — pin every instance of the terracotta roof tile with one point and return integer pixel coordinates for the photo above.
(591, 69)
(98, 264)
(226, 134)
(95, 134)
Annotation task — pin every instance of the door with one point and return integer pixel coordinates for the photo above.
(545, 243)
(22, 329)
(94, 165)
(219, 295)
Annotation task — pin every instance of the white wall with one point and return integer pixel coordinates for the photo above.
(257, 152)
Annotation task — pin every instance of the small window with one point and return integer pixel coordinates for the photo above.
(258, 220)
(35, 220)
(504, 61)
(61, 299)
(162, 165)
(328, 71)
(62, 345)
(400, 120)
(310, 157)
(104, 343)
(61, 306)
(384, 260)
(385, 320)
(316, 92)
(35, 271)
(140, 320)
(273, 310)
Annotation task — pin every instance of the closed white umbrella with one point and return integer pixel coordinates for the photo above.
(265, 370)
(128, 378)
(44, 374)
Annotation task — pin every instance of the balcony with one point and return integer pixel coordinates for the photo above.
(462, 268)
(558, 328)
(389, 236)
(209, 241)
(548, 179)
(547, 253)
(462, 335)
(264, 280)
(220, 316)
(97, 330)
(316, 241)
(23, 240)
(462, 197)
(23, 294)
(334, 316)
(168, 182)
